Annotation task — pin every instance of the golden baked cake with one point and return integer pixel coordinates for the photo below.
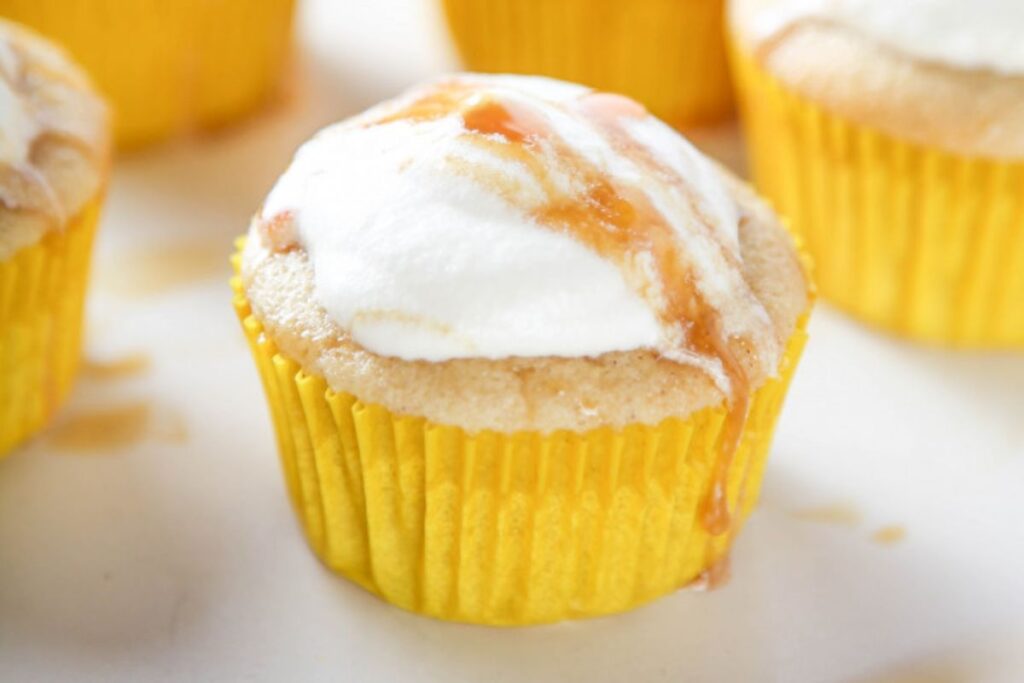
(668, 54)
(891, 134)
(524, 348)
(169, 66)
(54, 160)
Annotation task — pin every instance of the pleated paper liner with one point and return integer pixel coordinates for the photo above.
(42, 293)
(169, 65)
(668, 55)
(917, 241)
(505, 529)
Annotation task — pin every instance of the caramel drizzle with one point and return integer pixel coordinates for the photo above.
(614, 219)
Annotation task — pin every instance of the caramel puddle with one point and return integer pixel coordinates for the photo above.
(116, 368)
(102, 430)
(107, 430)
(152, 271)
(839, 514)
(889, 535)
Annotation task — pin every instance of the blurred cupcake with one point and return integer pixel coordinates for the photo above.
(892, 135)
(524, 348)
(169, 66)
(668, 54)
(54, 153)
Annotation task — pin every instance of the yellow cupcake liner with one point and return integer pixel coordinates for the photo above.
(169, 66)
(505, 529)
(669, 55)
(912, 239)
(42, 295)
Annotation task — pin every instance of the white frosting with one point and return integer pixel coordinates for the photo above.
(418, 258)
(970, 34)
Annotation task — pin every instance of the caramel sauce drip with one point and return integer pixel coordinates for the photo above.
(616, 220)
(718, 574)
(715, 515)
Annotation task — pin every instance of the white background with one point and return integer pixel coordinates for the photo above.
(176, 557)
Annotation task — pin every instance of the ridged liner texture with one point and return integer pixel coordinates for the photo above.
(42, 294)
(505, 529)
(668, 55)
(168, 66)
(912, 239)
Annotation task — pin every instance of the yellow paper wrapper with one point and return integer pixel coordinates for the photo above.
(42, 293)
(912, 239)
(505, 529)
(669, 55)
(169, 65)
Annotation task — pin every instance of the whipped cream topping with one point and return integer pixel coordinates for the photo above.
(509, 216)
(974, 34)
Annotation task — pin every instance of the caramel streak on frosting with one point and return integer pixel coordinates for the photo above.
(547, 157)
(54, 143)
(502, 217)
(976, 34)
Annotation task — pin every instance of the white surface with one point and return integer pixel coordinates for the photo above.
(182, 561)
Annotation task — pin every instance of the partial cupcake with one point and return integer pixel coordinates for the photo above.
(524, 348)
(54, 159)
(168, 67)
(668, 54)
(892, 135)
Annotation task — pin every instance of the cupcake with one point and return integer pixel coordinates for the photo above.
(169, 66)
(54, 155)
(668, 54)
(523, 346)
(891, 134)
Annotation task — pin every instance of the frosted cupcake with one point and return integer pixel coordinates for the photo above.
(668, 54)
(892, 135)
(169, 66)
(524, 348)
(54, 154)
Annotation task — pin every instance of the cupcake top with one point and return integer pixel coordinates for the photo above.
(53, 138)
(938, 72)
(510, 252)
